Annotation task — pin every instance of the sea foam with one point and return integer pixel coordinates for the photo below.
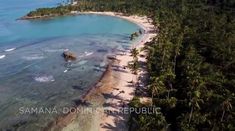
(10, 49)
(2, 56)
(88, 53)
(33, 57)
(44, 78)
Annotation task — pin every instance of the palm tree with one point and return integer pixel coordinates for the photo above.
(134, 66)
(194, 103)
(154, 121)
(177, 50)
(134, 53)
(226, 106)
(169, 76)
(156, 87)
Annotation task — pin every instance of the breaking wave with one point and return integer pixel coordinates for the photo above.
(2, 56)
(44, 78)
(88, 53)
(10, 49)
(33, 57)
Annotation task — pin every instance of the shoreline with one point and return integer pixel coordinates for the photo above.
(113, 81)
(119, 122)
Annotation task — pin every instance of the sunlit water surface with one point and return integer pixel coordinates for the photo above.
(34, 74)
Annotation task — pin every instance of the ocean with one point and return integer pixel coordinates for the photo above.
(33, 73)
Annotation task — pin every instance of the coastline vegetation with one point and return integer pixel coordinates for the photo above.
(123, 6)
(134, 65)
(191, 67)
(49, 12)
(191, 63)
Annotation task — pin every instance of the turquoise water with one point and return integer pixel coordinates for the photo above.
(33, 73)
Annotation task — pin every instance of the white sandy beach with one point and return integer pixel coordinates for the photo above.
(116, 84)
(118, 122)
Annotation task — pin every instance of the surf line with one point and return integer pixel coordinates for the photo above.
(2, 56)
(10, 49)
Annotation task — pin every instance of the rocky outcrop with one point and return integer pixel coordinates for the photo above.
(69, 56)
(111, 57)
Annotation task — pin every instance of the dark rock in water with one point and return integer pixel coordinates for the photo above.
(111, 57)
(77, 87)
(69, 56)
(102, 50)
(80, 102)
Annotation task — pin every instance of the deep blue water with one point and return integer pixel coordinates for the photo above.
(33, 72)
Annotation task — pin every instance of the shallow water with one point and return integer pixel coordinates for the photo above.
(33, 73)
